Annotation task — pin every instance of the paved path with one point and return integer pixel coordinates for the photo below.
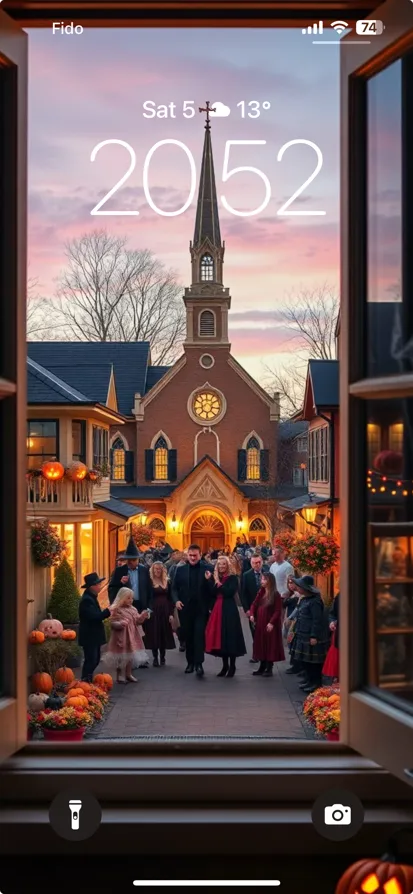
(166, 702)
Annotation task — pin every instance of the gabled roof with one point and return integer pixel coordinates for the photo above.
(322, 391)
(43, 387)
(89, 364)
(289, 430)
(154, 374)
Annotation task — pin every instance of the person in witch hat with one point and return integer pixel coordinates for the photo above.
(132, 575)
(91, 630)
(311, 641)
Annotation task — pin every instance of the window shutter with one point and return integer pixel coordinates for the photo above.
(129, 467)
(264, 465)
(111, 464)
(149, 465)
(172, 465)
(242, 465)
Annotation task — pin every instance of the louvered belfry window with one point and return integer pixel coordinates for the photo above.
(207, 323)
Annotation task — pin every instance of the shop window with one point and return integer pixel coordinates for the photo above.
(42, 441)
(396, 437)
(67, 533)
(373, 442)
(86, 548)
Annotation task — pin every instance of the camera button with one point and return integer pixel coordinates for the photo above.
(337, 814)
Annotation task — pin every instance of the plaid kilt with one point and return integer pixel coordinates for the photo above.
(302, 651)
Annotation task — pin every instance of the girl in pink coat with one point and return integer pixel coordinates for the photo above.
(125, 648)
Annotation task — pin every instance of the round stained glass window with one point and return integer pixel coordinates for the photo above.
(206, 405)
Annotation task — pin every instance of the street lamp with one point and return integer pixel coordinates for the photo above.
(174, 523)
(144, 518)
(310, 512)
(239, 522)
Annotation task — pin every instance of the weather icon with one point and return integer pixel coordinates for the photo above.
(220, 110)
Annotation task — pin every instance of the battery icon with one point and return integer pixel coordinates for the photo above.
(369, 26)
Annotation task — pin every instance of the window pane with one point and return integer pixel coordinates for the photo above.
(390, 510)
(118, 465)
(78, 440)
(253, 464)
(86, 554)
(161, 464)
(41, 443)
(384, 222)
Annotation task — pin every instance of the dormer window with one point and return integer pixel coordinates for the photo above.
(207, 269)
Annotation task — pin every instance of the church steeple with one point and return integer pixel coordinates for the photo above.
(207, 217)
(207, 301)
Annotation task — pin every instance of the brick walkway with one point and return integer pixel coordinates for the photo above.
(166, 702)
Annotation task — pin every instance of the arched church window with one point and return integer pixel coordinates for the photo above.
(257, 524)
(157, 524)
(207, 269)
(253, 460)
(207, 323)
(161, 460)
(118, 460)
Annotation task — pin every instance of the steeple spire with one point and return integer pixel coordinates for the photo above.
(207, 218)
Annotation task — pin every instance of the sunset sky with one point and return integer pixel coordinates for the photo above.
(89, 88)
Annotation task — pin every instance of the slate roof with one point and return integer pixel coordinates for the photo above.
(325, 382)
(89, 363)
(126, 510)
(288, 430)
(141, 492)
(153, 375)
(298, 502)
(43, 387)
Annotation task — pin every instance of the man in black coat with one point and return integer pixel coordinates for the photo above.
(191, 595)
(131, 575)
(250, 584)
(91, 630)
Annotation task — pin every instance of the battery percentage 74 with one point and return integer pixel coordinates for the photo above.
(369, 26)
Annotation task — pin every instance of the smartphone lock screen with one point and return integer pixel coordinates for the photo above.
(206, 392)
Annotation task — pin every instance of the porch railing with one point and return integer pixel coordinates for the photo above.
(62, 494)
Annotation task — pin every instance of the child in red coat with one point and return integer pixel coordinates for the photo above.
(266, 614)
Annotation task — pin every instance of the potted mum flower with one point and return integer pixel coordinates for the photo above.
(325, 698)
(66, 725)
(32, 725)
(328, 724)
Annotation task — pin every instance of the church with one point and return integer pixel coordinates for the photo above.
(196, 451)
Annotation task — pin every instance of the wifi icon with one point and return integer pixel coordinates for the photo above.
(339, 26)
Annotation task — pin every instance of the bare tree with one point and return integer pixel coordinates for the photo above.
(311, 317)
(111, 293)
(38, 322)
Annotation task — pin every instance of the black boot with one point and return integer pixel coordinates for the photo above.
(268, 669)
(162, 652)
(189, 669)
(224, 670)
(260, 671)
(155, 658)
(232, 668)
(199, 670)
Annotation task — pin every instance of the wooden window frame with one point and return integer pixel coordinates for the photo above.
(80, 457)
(244, 785)
(56, 453)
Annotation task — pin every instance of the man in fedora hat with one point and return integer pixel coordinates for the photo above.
(91, 630)
(132, 575)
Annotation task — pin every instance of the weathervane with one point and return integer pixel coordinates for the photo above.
(207, 110)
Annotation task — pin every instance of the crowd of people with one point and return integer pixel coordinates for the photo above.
(201, 599)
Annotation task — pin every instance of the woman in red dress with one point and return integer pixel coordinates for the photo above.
(223, 635)
(266, 614)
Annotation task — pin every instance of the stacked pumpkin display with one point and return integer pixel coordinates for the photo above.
(61, 706)
(68, 706)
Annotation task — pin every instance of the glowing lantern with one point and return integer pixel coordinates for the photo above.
(376, 877)
(53, 470)
(77, 471)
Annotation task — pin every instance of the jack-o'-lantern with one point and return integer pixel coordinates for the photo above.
(389, 462)
(77, 471)
(51, 627)
(385, 876)
(53, 470)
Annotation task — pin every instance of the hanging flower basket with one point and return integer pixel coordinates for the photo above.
(142, 535)
(47, 547)
(316, 553)
(285, 540)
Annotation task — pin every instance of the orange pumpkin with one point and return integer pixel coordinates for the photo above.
(42, 682)
(53, 470)
(64, 675)
(84, 688)
(68, 634)
(75, 691)
(36, 636)
(51, 628)
(103, 680)
(77, 701)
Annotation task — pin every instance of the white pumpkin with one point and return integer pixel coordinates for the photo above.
(51, 627)
(36, 702)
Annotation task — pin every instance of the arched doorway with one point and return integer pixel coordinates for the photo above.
(208, 531)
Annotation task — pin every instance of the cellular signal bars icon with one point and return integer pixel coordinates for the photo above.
(313, 29)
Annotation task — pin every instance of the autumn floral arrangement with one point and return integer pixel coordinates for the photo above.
(315, 553)
(65, 718)
(46, 545)
(142, 535)
(322, 710)
(72, 705)
(285, 540)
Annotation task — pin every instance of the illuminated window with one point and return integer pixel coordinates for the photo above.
(118, 460)
(161, 460)
(86, 548)
(66, 533)
(207, 405)
(157, 524)
(42, 441)
(207, 323)
(207, 269)
(253, 460)
(373, 442)
(396, 437)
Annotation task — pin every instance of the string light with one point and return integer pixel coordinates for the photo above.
(386, 484)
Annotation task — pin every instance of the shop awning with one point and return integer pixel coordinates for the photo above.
(117, 511)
